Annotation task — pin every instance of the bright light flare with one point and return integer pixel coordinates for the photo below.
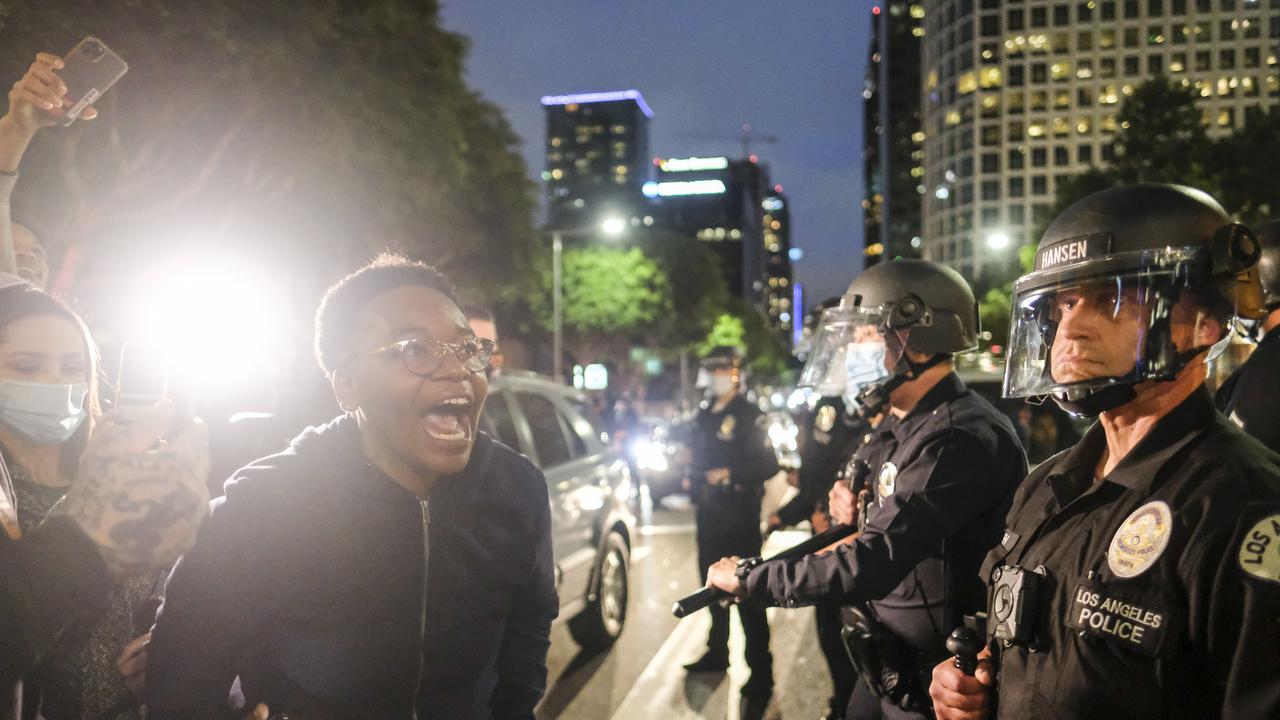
(613, 226)
(218, 319)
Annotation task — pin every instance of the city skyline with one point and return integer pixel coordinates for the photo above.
(702, 86)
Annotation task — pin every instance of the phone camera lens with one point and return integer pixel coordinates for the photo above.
(94, 50)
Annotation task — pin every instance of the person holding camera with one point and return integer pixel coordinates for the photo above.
(53, 584)
(34, 102)
(1138, 575)
(940, 470)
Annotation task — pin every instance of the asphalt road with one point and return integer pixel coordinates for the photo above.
(641, 676)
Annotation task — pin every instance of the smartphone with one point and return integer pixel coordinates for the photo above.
(146, 376)
(88, 71)
(142, 378)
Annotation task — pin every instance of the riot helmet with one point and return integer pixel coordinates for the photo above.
(721, 357)
(892, 307)
(1269, 264)
(1095, 316)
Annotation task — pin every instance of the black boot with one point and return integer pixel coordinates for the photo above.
(710, 662)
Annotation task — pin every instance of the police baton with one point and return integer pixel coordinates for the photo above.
(966, 642)
(694, 602)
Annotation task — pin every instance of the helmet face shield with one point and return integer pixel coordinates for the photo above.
(1100, 323)
(848, 351)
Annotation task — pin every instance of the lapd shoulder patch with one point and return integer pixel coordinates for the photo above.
(1140, 540)
(1260, 550)
(826, 418)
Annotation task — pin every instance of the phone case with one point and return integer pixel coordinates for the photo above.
(89, 70)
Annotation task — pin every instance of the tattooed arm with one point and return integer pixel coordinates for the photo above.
(130, 509)
(141, 506)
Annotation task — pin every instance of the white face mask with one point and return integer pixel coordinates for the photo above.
(834, 382)
(864, 365)
(43, 413)
(721, 385)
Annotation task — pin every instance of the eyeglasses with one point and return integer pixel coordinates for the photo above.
(423, 357)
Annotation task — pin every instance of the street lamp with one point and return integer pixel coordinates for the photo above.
(611, 226)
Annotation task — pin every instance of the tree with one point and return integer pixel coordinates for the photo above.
(1245, 168)
(1161, 138)
(612, 299)
(319, 131)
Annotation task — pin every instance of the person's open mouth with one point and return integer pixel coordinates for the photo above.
(449, 420)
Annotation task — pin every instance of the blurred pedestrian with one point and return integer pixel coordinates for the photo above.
(395, 562)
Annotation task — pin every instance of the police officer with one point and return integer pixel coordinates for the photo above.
(943, 463)
(1248, 397)
(831, 432)
(1139, 572)
(730, 464)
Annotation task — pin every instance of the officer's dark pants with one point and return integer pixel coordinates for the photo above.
(720, 536)
(843, 676)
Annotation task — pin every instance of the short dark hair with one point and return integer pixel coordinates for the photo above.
(477, 312)
(338, 319)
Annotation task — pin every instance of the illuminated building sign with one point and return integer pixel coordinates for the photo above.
(599, 97)
(693, 164)
(691, 187)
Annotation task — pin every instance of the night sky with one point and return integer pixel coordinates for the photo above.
(705, 67)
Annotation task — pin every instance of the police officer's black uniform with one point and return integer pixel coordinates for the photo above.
(831, 436)
(1249, 396)
(1152, 592)
(942, 477)
(1151, 605)
(728, 521)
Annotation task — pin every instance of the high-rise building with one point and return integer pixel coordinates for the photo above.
(597, 155)
(894, 152)
(730, 205)
(1019, 94)
(779, 296)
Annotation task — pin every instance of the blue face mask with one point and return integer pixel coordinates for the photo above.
(44, 414)
(864, 364)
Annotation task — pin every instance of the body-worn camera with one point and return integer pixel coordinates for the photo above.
(1014, 595)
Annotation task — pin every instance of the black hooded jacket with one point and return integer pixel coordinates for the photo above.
(307, 582)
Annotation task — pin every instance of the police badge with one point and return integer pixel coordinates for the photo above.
(1140, 540)
(726, 428)
(826, 418)
(887, 483)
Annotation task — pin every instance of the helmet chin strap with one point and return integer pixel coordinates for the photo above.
(1091, 402)
(874, 398)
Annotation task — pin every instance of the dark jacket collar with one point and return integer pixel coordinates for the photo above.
(1072, 475)
(947, 389)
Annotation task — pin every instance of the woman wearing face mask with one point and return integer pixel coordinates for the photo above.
(48, 402)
